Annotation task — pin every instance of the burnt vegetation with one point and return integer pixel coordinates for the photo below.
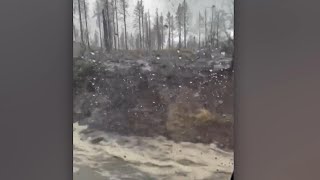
(166, 76)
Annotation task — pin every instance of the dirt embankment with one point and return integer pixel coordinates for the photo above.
(184, 99)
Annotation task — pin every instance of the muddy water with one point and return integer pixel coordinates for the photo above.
(139, 158)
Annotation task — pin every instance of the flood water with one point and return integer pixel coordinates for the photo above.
(141, 158)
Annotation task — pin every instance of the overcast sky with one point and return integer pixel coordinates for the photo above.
(163, 6)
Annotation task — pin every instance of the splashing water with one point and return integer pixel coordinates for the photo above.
(121, 157)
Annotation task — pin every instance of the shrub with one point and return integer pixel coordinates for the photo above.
(84, 71)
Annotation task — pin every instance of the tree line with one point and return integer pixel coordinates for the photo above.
(157, 33)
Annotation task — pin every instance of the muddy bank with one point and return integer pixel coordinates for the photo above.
(180, 98)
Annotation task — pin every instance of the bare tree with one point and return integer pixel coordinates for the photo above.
(109, 19)
(137, 22)
(185, 22)
(199, 29)
(124, 5)
(192, 43)
(75, 33)
(114, 24)
(225, 25)
(149, 29)
(142, 22)
(98, 14)
(80, 20)
(218, 26)
(186, 19)
(108, 40)
(205, 28)
(122, 41)
(96, 39)
(162, 31)
(105, 30)
(137, 43)
(146, 21)
(169, 29)
(117, 29)
(212, 31)
(86, 20)
(74, 9)
(179, 19)
(158, 30)
(200, 25)
(131, 42)
(172, 30)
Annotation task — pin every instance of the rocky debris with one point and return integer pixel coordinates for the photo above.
(96, 140)
(183, 99)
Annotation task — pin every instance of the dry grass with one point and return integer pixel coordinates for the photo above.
(203, 116)
(189, 120)
(186, 115)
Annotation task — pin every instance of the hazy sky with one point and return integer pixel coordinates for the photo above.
(163, 6)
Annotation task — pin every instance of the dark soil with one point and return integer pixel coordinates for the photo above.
(124, 97)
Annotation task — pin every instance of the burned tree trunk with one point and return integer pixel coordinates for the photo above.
(109, 25)
(80, 19)
(185, 23)
(162, 31)
(114, 25)
(149, 29)
(106, 30)
(117, 33)
(86, 20)
(205, 27)
(199, 30)
(158, 31)
(125, 23)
